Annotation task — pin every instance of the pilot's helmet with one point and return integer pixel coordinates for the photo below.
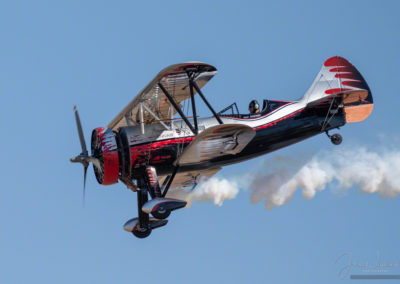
(254, 106)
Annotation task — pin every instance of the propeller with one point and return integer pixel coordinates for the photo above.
(83, 157)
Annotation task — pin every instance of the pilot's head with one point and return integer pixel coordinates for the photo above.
(254, 107)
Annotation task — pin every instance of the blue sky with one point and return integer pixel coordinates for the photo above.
(99, 55)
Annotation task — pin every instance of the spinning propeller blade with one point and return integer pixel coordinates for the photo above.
(84, 184)
(83, 157)
(80, 132)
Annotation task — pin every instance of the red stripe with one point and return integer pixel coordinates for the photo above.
(336, 90)
(141, 153)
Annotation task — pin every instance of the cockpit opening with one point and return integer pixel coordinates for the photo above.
(254, 109)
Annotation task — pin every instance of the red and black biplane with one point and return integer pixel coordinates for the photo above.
(152, 145)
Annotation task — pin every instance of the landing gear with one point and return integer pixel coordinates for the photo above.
(158, 206)
(133, 226)
(336, 138)
(335, 108)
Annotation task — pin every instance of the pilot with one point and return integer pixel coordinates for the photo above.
(254, 107)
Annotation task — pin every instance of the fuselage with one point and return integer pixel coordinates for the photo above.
(145, 133)
(285, 123)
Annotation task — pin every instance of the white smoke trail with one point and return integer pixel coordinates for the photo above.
(279, 178)
(216, 189)
(371, 172)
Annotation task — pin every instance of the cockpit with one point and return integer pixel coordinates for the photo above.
(267, 107)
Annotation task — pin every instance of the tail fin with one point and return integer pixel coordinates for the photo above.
(339, 78)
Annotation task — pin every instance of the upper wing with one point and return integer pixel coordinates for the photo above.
(152, 100)
(216, 141)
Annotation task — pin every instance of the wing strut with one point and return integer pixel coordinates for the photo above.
(170, 180)
(193, 83)
(177, 108)
(196, 127)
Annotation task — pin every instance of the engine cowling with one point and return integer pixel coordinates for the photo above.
(104, 147)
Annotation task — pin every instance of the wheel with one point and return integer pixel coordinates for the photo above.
(161, 214)
(336, 139)
(142, 234)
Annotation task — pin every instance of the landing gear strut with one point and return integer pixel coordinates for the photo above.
(143, 229)
(155, 192)
(334, 109)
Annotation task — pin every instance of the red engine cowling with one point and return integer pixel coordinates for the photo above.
(105, 148)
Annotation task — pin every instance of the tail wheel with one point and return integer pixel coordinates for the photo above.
(336, 139)
(141, 234)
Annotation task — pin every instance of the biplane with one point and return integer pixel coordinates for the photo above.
(158, 142)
